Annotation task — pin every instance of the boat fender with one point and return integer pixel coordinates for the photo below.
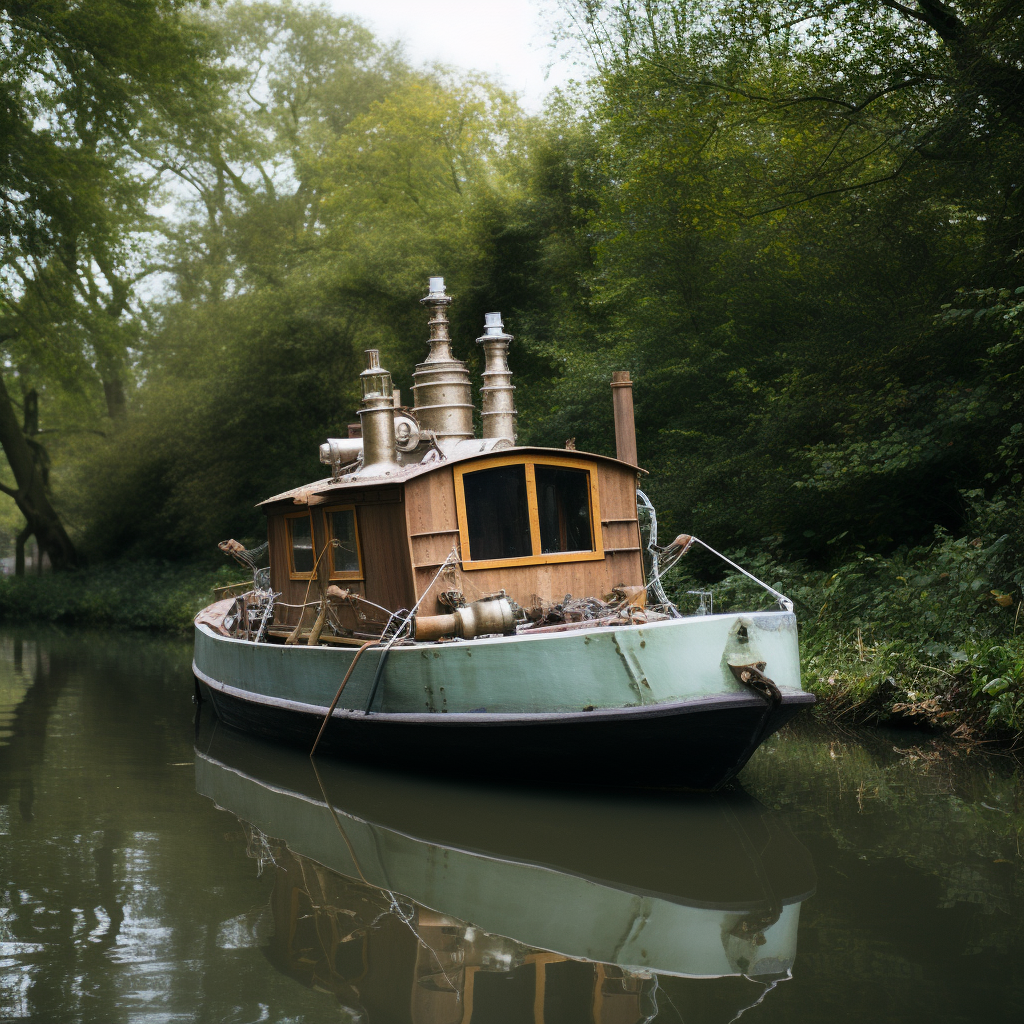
(492, 615)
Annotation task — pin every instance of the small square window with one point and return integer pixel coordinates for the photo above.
(301, 540)
(341, 525)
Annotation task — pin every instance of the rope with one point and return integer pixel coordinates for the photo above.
(294, 636)
(784, 602)
(337, 696)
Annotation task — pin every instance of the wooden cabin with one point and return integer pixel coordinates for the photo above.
(537, 523)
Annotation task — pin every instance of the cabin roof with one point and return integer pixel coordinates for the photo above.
(322, 488)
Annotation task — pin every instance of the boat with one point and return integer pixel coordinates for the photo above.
(424, 900)
(502, 603)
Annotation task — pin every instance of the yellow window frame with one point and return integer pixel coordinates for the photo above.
(292, 573)
(338, 574)
(530, 461)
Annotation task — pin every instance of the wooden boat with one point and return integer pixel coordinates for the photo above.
(420, 599)
(694, 886)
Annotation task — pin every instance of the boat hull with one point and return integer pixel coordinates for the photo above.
(699, 744)
(654, 705)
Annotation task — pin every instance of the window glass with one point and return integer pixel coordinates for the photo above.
(343, 530)
(563, 506)
(497, 516)
(302, 544)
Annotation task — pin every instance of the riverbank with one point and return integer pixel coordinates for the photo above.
(930, 636)
(155, 596)
(892, 661)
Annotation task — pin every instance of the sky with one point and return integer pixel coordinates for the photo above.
(507, 38)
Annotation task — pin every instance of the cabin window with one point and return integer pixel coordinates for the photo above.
(497, 512)
(563, 508)
(300, 543)
(528, 511)
(341, 526)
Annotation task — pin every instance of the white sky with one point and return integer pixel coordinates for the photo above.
(510, 39)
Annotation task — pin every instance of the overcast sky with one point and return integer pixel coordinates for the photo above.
(508, 38)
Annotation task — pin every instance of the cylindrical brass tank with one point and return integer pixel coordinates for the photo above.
(377, 416)
(443, 394)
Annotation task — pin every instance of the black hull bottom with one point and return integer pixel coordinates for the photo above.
(697, 745)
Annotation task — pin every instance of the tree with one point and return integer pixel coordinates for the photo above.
(332, 179)
(789, 194)
(81, 85)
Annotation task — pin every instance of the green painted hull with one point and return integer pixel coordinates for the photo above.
(653, 705)
(608, 667)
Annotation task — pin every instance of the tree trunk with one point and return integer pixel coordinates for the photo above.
(117, 402)
(31, 497)
(19, 551)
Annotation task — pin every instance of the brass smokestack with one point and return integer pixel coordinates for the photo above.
(377, 417)
(499, 413)
(442, 392)
(625, 427)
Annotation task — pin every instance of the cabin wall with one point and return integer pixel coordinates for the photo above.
(384, 551)
(433, 526)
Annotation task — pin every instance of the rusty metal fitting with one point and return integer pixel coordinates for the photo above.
(491, 615)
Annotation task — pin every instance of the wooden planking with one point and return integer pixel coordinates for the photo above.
(433, 527)
(620, 535)
(386, 563)
(384, 550)
(431, 515)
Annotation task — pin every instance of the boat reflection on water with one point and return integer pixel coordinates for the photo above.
(437, 903)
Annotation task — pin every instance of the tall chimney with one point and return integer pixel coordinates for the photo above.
(499, 413)
(625, 428)
(442, 392)
(377, 418)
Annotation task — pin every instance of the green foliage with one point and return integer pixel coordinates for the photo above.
(147, 595)
(799, 227)
(931, 632)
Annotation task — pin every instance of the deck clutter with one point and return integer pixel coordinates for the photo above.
(493, 594)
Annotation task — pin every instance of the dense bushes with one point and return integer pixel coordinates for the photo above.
(135, 595)
(930, 632)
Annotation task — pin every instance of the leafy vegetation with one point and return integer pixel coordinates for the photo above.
(145, 595)
(798, 224)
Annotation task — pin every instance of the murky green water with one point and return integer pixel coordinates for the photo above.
(157, 870)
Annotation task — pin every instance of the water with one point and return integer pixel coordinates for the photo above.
(157, 870)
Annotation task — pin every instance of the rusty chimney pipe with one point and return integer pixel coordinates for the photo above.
(625, 428)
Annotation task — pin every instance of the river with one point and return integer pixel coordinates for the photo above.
(157, 867)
